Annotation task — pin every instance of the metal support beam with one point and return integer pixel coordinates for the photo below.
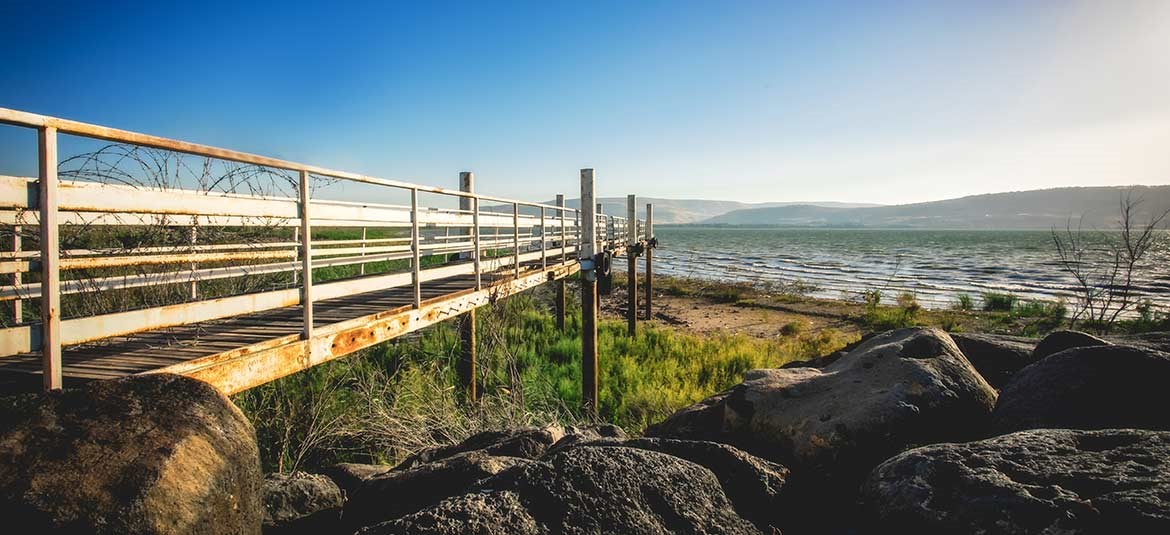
(588, 297)
(631, 265)
(649, 260)
(50, 260)
(306, 259)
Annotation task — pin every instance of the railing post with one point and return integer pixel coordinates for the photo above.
(467, 185)
(604, 230)
(17, 277)
(465, 368)
(475, 244)
(560, 284)
(516, 238)
(193, 236)
(362, 267)
(296, 251)
(306, 260)
(415, 267)
(543, 240)
(563, 220)
(649, 260)
(588, 298)
(50, 261)
(631, 265)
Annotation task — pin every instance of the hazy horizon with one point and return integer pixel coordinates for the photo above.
(887, 103)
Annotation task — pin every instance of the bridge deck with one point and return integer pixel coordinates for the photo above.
(158, 349)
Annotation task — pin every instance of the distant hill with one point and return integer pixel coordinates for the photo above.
(1012, 210)
(682, 211)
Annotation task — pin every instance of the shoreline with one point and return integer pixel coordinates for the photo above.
(706, 307)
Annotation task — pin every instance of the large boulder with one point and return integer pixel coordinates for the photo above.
(997, 358)
(585, 489)
(752, 484)
(1061, 340)
(147, 454)
(1041, 481)
(400, 492)
(1096, 387)
(832, 425)
(301, 503)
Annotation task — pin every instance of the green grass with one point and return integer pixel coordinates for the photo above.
(998, 302)
(964, 302)
(400, 396)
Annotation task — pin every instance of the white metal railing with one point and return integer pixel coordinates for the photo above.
(550, 235)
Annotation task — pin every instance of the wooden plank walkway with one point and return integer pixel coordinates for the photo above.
(241, 341)
(153, 350)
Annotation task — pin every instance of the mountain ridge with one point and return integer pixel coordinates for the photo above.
(1091, 206)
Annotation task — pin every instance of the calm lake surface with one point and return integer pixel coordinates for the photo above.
(936, 265)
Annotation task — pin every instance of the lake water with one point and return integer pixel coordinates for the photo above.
(936, 265)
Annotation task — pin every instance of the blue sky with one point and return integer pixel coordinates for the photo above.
(753, 101)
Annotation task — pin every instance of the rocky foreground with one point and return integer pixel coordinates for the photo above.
(909, 431)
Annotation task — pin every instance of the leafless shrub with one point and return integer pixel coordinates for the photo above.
(1104, 265)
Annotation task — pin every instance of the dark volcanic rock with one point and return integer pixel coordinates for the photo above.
(301, 503)
(349, 476)
(752, 484)
(1061, 340)
(143, 454)
(833, 425)
(1151, 340)
(401, 492)
(585, 490)
(1041, 481)
(1098, 387)
(996, 358)
(526, 442)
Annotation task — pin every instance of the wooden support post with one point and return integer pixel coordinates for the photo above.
(649, 260)
(466, 365)
(631, 265)
(17, 304)
(588, 298)
(50, 261)
(415, 267)
(306, 260)
(560, 283)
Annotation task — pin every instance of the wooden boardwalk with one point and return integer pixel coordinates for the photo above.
(182, 348)
(147, 310)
